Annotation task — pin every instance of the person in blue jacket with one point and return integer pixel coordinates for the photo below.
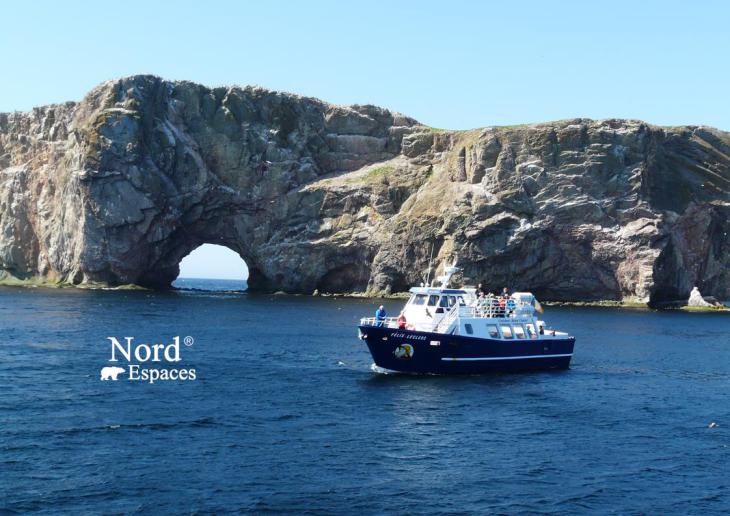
(511, 305)
(380, 316)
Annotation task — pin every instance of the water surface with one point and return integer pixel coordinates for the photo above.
(286, 415)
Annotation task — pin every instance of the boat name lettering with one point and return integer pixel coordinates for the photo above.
(411, 337)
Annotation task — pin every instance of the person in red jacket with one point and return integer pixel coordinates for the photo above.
(401, 321)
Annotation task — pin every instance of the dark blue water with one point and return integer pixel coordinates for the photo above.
(286, 416)
(215, 285)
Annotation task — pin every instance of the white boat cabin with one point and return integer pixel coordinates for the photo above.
(458, 311)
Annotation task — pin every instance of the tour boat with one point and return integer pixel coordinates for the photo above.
(453, 331)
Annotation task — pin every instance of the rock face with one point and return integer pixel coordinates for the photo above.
(119, 187)
(696, 299)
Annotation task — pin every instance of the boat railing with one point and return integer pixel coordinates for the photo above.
(384, 322)
(497, 308)
(483, 309)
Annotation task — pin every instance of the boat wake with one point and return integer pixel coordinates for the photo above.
(380, 370)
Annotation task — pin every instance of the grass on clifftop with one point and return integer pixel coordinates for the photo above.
(379, 172)
(375, 175)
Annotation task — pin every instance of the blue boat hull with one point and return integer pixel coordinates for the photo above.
(436, 353)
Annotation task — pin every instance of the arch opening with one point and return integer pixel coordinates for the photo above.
(212, 267)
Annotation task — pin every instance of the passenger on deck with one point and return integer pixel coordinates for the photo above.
(502, 306)
(489, 302)
(402, 321)
(380, 316)
(511, 306)
(479, 304)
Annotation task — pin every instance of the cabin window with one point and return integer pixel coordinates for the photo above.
(419, 299)
(531, 330)
(506, 332)
(493, 332)
(452, 301)
(461, 301)
(433, 300)
(468, 328)
(519, 331)
(444, 302)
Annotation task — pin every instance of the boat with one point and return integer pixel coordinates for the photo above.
(445, 330)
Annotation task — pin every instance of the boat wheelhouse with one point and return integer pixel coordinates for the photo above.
(452, 330)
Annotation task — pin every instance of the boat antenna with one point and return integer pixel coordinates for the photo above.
(428, 271)
(449, 271)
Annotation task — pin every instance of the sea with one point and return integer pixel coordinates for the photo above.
(285, 414)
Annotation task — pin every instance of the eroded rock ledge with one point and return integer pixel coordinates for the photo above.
(119, 187)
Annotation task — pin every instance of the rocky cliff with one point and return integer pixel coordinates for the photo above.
(119, 187)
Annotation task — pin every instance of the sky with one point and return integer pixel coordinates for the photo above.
(213, 261)
(450, 64)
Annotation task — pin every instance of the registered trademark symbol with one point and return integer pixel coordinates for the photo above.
(188, 340)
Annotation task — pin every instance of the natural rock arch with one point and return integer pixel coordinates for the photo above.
(119, 187)
(148, 170)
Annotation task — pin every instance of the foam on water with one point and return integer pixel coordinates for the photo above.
(380, 370)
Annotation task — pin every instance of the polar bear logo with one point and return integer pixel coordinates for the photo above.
(403, 351)
(111, 372)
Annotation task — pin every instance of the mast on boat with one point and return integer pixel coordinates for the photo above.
(449, 271)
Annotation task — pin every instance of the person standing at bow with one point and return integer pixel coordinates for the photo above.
(380, 316)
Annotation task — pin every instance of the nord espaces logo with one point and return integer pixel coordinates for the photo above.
(146, 362)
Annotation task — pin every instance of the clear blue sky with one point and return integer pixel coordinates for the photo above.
(454, 64)
(213, 261)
